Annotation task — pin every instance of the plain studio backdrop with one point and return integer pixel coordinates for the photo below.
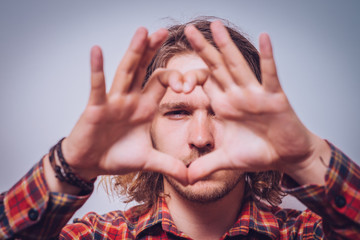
(44, 66)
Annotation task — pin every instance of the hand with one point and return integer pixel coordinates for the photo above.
(262, 132)
(112, 135)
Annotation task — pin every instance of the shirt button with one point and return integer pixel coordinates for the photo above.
(33, 214)
(340, 201)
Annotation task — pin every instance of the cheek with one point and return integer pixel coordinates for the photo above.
(169, 136)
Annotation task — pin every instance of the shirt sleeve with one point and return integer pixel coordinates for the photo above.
(338, 202)
(30, 211)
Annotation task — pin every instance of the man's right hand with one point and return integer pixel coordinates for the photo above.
(112, 135)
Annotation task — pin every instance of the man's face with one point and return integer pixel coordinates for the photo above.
(185, 127)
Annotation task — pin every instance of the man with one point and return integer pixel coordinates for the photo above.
(219, 138)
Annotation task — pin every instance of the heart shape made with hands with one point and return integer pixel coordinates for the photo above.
(185, 82)
(257, 117)
(222, 103)
(182, 83)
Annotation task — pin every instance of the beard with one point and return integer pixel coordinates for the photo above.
(206, 191)
(210, 189)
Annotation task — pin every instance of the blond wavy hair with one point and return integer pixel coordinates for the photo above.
(146, 187)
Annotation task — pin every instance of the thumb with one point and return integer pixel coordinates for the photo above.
(168, 165)
(206, 165)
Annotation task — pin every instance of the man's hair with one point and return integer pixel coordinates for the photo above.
(146, 187)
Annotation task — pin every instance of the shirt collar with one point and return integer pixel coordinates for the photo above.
(156, 217)
(254, 216)
(258, 217)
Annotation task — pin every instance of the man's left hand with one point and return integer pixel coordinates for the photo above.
(262, 131)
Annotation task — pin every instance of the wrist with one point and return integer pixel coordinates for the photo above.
(78, 165)
(54, 184)
(313, 168)
(64, 172)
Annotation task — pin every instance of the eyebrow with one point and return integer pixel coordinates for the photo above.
(173, 106)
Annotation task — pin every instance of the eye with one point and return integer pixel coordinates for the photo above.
(177, 114)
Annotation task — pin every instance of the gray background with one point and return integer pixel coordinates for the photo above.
(44, 66)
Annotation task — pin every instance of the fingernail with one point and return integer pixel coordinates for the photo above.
(178, 86)
(187, 87)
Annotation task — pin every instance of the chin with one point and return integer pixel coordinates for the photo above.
(208, 190)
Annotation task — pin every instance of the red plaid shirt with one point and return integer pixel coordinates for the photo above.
(30, 211)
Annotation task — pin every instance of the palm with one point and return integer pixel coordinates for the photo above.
(259, 127)
(261, 130)
(112, 135)
(114, 129)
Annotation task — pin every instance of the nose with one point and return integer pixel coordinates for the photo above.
(201, 132)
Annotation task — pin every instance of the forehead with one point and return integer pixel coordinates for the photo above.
(184, 63)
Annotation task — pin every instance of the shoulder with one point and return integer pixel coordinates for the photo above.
(115, 218)
(118, 222)
(293, 216)
(294, 222)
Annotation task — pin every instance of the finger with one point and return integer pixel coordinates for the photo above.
(212, 90)
(98, 89)
(193, 78)
(177, 81)
(206, 165)
(164, 163)
(235, 61)
(126, 70)
(156, 87)
(164, 78)
(210, 55)
(154, 42)
(267, 64)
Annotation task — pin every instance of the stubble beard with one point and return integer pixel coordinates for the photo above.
(212, 192)
(209, 189)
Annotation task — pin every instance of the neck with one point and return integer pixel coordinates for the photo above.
(205, 220)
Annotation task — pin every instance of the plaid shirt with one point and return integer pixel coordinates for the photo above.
(30, 211)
